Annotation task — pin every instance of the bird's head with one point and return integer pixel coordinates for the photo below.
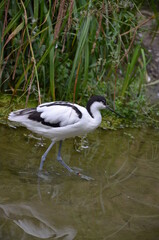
(99, 102)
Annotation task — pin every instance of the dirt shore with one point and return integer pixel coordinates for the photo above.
(151, 45)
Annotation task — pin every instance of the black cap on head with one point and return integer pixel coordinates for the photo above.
(96, 98)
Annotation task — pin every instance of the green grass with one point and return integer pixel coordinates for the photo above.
(70, 50)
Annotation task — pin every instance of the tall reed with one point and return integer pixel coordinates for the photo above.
(69, 49)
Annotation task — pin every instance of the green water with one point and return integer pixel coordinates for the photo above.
(121, 203)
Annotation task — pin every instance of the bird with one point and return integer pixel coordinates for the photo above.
(60, 120)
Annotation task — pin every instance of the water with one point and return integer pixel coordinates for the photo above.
(122, 202)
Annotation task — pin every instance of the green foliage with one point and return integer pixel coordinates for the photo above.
(71, 49)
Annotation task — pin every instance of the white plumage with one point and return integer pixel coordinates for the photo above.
(58, 113)
(60, 120)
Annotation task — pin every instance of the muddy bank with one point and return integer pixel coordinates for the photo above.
(150, 37)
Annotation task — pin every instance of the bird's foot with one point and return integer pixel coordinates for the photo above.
(83, 176)
(77, 171)
(43, 175)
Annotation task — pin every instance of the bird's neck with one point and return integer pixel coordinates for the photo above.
(95, 114)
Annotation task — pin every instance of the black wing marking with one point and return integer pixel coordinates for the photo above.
(56, 114)
(35, 116)
(63, 104)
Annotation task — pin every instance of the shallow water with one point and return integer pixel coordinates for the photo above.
(122, 202)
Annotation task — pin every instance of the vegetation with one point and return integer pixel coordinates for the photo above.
(69, 50)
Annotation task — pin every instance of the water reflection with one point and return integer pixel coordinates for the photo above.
(122, 202)
(33, 219)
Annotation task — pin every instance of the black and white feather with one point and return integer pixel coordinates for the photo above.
(60, 120)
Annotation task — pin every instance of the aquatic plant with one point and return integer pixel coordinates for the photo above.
(72, 49)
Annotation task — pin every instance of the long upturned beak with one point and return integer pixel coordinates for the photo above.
(107, 107)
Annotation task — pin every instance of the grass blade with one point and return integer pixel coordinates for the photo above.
(130, 70)
(81, 44)
(14, 33)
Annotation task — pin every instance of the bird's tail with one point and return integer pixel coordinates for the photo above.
(20, 115)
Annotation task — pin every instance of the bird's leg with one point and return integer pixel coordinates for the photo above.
(59, 159)
(45, 154)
